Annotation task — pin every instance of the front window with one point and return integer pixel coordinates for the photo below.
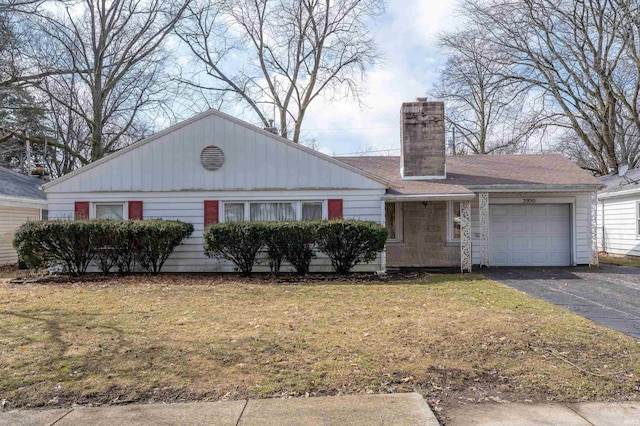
(272, 212)
(454, 221)
(390, 220)
(110, 211)
(312, 210)
(393, 221)
(234, 212)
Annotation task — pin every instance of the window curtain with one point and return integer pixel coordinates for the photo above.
(272, 212)
(110, 211)
(312, 211)
(234, 212)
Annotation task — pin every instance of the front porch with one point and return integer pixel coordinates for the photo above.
(539, 229)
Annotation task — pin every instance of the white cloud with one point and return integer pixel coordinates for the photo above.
(406, 35)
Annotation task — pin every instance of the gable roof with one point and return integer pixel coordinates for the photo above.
(615, 184)
(203, 115)
(488, 172)
(14, 184)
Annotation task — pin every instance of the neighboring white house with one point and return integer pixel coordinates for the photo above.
(619, 214)
(21, 200)
(440, 211)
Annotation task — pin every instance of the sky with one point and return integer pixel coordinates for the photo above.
(406, 36)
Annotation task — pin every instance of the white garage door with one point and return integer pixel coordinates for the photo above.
(530, 235)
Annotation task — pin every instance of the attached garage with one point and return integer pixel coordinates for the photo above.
(530, 234)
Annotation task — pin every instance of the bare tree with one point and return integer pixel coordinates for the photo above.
(627, 87)
(278, 56)
(572, 52)
(488, 111)
(115, 49)
(20, 63)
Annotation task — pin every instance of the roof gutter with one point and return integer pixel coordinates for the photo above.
(429, 197)
(616, 194)
(9, 200)
(533, 188)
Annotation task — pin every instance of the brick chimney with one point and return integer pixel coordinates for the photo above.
(422, 153)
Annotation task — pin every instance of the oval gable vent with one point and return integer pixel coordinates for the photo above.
(212, 158)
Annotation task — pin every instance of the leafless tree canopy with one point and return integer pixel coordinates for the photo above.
(97, 67)
(116, 50)
(488, 111)
(582, 55)
(277, 56)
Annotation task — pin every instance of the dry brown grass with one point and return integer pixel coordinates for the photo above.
(619, 260)
(205, 338)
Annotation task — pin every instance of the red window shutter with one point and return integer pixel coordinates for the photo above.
(335, 208)
(81, 209)
(135, 210)
(211, 212)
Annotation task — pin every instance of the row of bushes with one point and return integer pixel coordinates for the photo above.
(123, 244)
(346, 243)
(109, 244)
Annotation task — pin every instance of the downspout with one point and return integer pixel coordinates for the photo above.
(383, 254)
(603, 245)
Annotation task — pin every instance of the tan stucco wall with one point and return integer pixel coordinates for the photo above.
(424, 238)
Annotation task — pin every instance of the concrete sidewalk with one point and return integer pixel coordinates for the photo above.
(392, 409)
(583, 414)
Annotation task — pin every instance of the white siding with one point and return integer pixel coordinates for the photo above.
(620, 234)
(11, 218)
(189, 207)
(580, 220)
(254, 160)
(581, 229)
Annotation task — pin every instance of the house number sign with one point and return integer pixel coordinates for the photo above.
(529, 200)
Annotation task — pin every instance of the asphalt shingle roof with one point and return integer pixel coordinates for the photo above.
(615, 183)
(16, 185)
(469, 171)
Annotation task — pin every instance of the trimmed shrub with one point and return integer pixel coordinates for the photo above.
(300, 239)
(125, 248)
(156, 239)
(27, 240)
(75, 244)
(105, 257)
(276, 245)
(349, 242)
(118, 245)
(238, 242)
(71, 244)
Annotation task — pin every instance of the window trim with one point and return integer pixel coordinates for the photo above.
(450, 210)
(637, 219)
(297, 206)
(124, 204)
(399, 235)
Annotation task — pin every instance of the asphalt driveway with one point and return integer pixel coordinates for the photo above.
(609, 295)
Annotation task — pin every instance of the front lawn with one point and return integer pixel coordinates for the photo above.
(619, 260)
(175, 338)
